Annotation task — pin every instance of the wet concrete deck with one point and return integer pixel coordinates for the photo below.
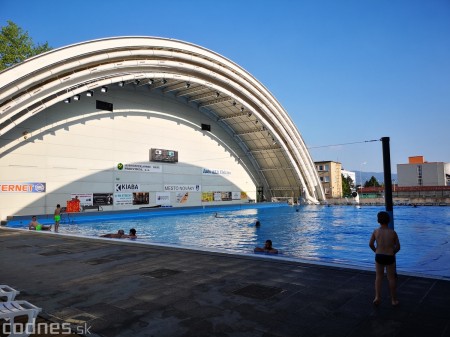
(122, 288)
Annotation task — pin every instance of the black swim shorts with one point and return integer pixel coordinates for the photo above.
(385, 260)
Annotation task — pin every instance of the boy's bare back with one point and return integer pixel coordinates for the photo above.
(387, 240)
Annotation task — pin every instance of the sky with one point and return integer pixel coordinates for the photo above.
(347, 72)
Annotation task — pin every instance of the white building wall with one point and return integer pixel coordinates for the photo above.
(433, 174)
(447, 173)
(350, 174)
(75, 148)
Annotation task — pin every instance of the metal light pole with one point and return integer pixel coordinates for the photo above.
(388, 180)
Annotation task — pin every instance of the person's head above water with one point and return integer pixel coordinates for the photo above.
(121, 232)
(132, 231)
(257, 223)
(268, 244)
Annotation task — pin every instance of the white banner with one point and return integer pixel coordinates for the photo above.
(86, 199)
(208, 171)
(126, 187)
(123, 199)
(139, 167)
(182, 197)
(163, 198)
(8, 187)
(236, 195)
(182, 188)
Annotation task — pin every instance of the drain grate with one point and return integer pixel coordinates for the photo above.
(161, 273)
(258, 291)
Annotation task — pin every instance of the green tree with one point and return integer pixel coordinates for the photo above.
(347, 184)
(373, 182)
(16, 46)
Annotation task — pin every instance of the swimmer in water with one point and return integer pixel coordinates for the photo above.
(120, 234)
(267, 248)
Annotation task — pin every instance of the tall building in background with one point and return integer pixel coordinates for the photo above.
(330, 177)
(419, 172)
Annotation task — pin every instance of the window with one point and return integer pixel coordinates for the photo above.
(326, 179)
(323, 168)
(419, 175)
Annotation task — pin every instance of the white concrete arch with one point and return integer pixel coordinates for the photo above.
(275, 152)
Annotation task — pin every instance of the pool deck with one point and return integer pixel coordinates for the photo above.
(123, 288)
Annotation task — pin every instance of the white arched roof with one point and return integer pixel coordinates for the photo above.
(195, 75)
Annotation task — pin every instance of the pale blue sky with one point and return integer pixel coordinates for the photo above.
(346, 71)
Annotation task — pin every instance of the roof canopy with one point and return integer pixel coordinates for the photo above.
(199, 77)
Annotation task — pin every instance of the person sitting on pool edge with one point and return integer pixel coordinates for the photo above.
(267, 248)
(120, 234)
(35, 225)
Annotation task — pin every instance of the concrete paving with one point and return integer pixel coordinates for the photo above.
(123, 288)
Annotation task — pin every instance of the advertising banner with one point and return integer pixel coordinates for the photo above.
(182, 197)
(182, 188)
(141, 198)
(223, 196)
(226, 196)
(207, 196)
(127, 187)
(19, 187)
(210, 171)
(153, 168)
(163, 198)
(86, 199)
(121, 199)
(236, 195)
(102, 199)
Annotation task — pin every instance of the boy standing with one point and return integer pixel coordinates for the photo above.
(387, 245)
(57, 215)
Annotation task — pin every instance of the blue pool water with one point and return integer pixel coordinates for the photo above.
(336, 234)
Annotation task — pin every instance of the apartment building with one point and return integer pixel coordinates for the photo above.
(331, 178)
(418, 172)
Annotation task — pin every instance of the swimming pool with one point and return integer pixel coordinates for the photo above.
(336, 234)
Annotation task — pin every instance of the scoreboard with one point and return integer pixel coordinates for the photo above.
(166, 156)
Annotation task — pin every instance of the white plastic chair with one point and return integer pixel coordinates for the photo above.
(8, 292)
(10, 310)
